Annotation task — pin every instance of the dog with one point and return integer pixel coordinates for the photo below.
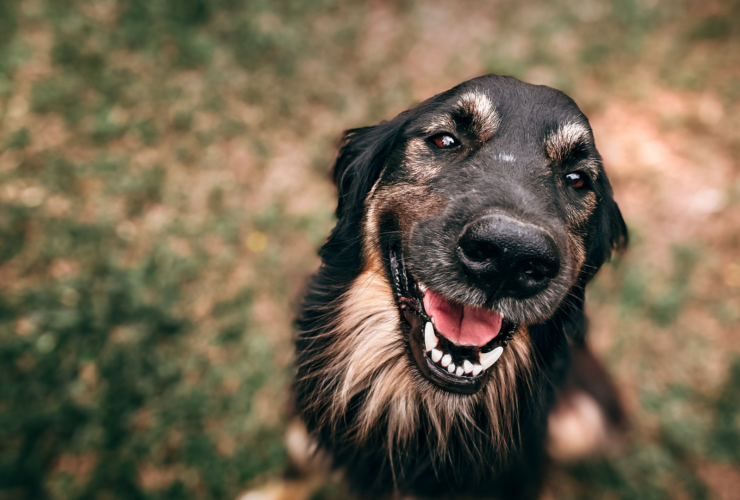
(447, 317)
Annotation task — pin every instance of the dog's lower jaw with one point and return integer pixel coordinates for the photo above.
(461, 369)
(364, 400)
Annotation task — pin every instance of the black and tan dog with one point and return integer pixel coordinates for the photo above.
(440, 329)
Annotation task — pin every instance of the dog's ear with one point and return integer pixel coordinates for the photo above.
(609, 233)
(362, 155)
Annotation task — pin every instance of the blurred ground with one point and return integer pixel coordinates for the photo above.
(164, 187)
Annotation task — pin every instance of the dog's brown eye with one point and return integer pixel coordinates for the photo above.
(577, 180)
(444, 141)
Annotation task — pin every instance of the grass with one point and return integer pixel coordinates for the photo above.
(164, 187)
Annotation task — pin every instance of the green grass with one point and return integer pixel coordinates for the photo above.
(164, 187)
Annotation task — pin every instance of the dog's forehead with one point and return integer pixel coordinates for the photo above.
(520, 112)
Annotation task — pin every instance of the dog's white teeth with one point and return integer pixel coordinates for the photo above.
(467, 367)
(430, 340)
(487, 359)
(422, 287)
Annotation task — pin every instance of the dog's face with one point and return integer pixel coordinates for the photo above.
(489, 200)
(462, 224)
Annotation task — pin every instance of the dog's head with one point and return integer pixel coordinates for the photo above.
(487, 205)
(464, 221)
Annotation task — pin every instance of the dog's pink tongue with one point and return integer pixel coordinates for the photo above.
(463, 325)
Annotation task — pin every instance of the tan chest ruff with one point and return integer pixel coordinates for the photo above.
(369, 354)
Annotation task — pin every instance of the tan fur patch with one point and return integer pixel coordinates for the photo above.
(485, 120)
(576, 428)
(578, 215)
(478, 107)
(408, 201)
(560, 144)
(300, 445)
(577, 251)
(576, 218)
(416, 162)
(368, 354)
(443, 123)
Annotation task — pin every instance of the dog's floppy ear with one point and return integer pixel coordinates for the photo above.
(609, 233)
(362, 155)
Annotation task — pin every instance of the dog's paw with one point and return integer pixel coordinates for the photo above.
(578, 428)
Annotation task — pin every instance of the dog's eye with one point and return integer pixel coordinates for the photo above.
(444, 141)
(577, 180)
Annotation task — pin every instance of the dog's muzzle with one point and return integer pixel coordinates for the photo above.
(453, 344)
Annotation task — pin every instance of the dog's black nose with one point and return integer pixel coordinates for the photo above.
(508, 257)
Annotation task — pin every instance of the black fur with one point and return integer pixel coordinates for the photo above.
(527, 112)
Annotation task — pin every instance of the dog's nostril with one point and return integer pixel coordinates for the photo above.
(480, 251)
(534, 271)
(539, 270)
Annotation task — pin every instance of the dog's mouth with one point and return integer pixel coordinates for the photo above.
(454, 345)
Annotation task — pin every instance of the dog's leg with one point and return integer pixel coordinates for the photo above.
(588, 416)
(306, 471)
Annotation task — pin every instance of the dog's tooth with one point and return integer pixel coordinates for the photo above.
(422, 287)
(451, 368)
(430, 340)
(487, 359)
(467, 366)
(446, 360)
(477, 369)
(459, 371)
(436, 355)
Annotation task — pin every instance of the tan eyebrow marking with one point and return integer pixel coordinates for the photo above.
(478, 107)
(560, 144)
(484, 118)
(442, 123)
